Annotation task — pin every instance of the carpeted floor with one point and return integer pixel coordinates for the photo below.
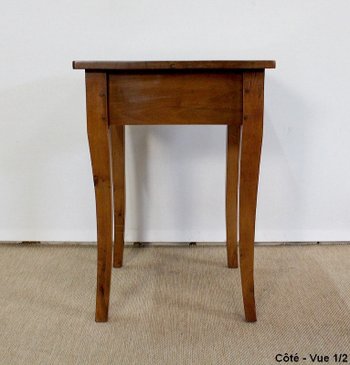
(172, 305)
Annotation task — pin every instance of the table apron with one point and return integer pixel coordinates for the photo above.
(175, 98)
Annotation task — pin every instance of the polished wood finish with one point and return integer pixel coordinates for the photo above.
(98, 134)
(118, 172)
(172, 65)
(232, 166)
(203, 92)
(253, 108)
(186, 98)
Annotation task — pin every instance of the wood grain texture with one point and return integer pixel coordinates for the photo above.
(118, 172)
(174, 65)
(232, 166)
(253, 105)
(188, 92)
(214, 98)
(97, 128)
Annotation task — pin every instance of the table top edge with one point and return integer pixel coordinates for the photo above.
(174, 65)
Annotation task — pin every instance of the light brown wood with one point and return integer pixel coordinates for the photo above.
(232, 165)
(118, 172)
(97, 128)
(174, 65)
(253, 106)
(189, 98)
(189, 92)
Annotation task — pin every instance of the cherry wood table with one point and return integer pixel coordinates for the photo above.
(175, 92)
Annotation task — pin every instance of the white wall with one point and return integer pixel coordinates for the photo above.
(175, 175)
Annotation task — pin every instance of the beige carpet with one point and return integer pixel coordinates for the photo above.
(172, 305)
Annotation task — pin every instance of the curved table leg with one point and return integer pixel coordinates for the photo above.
(232, 163)
(118, 171)
(253, 100)
(97, 127)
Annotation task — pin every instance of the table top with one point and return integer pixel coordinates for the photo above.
(173, 65)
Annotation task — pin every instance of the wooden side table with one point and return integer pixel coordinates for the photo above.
(175, 92)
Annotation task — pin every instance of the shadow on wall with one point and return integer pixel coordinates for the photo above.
(284, 163)
(176, 175)
(44, 159)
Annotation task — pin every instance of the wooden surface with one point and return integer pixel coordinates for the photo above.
(253, 107)
(118, 172)
(203, 98)
(173, 65)
(232, 166)
(97, 127)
